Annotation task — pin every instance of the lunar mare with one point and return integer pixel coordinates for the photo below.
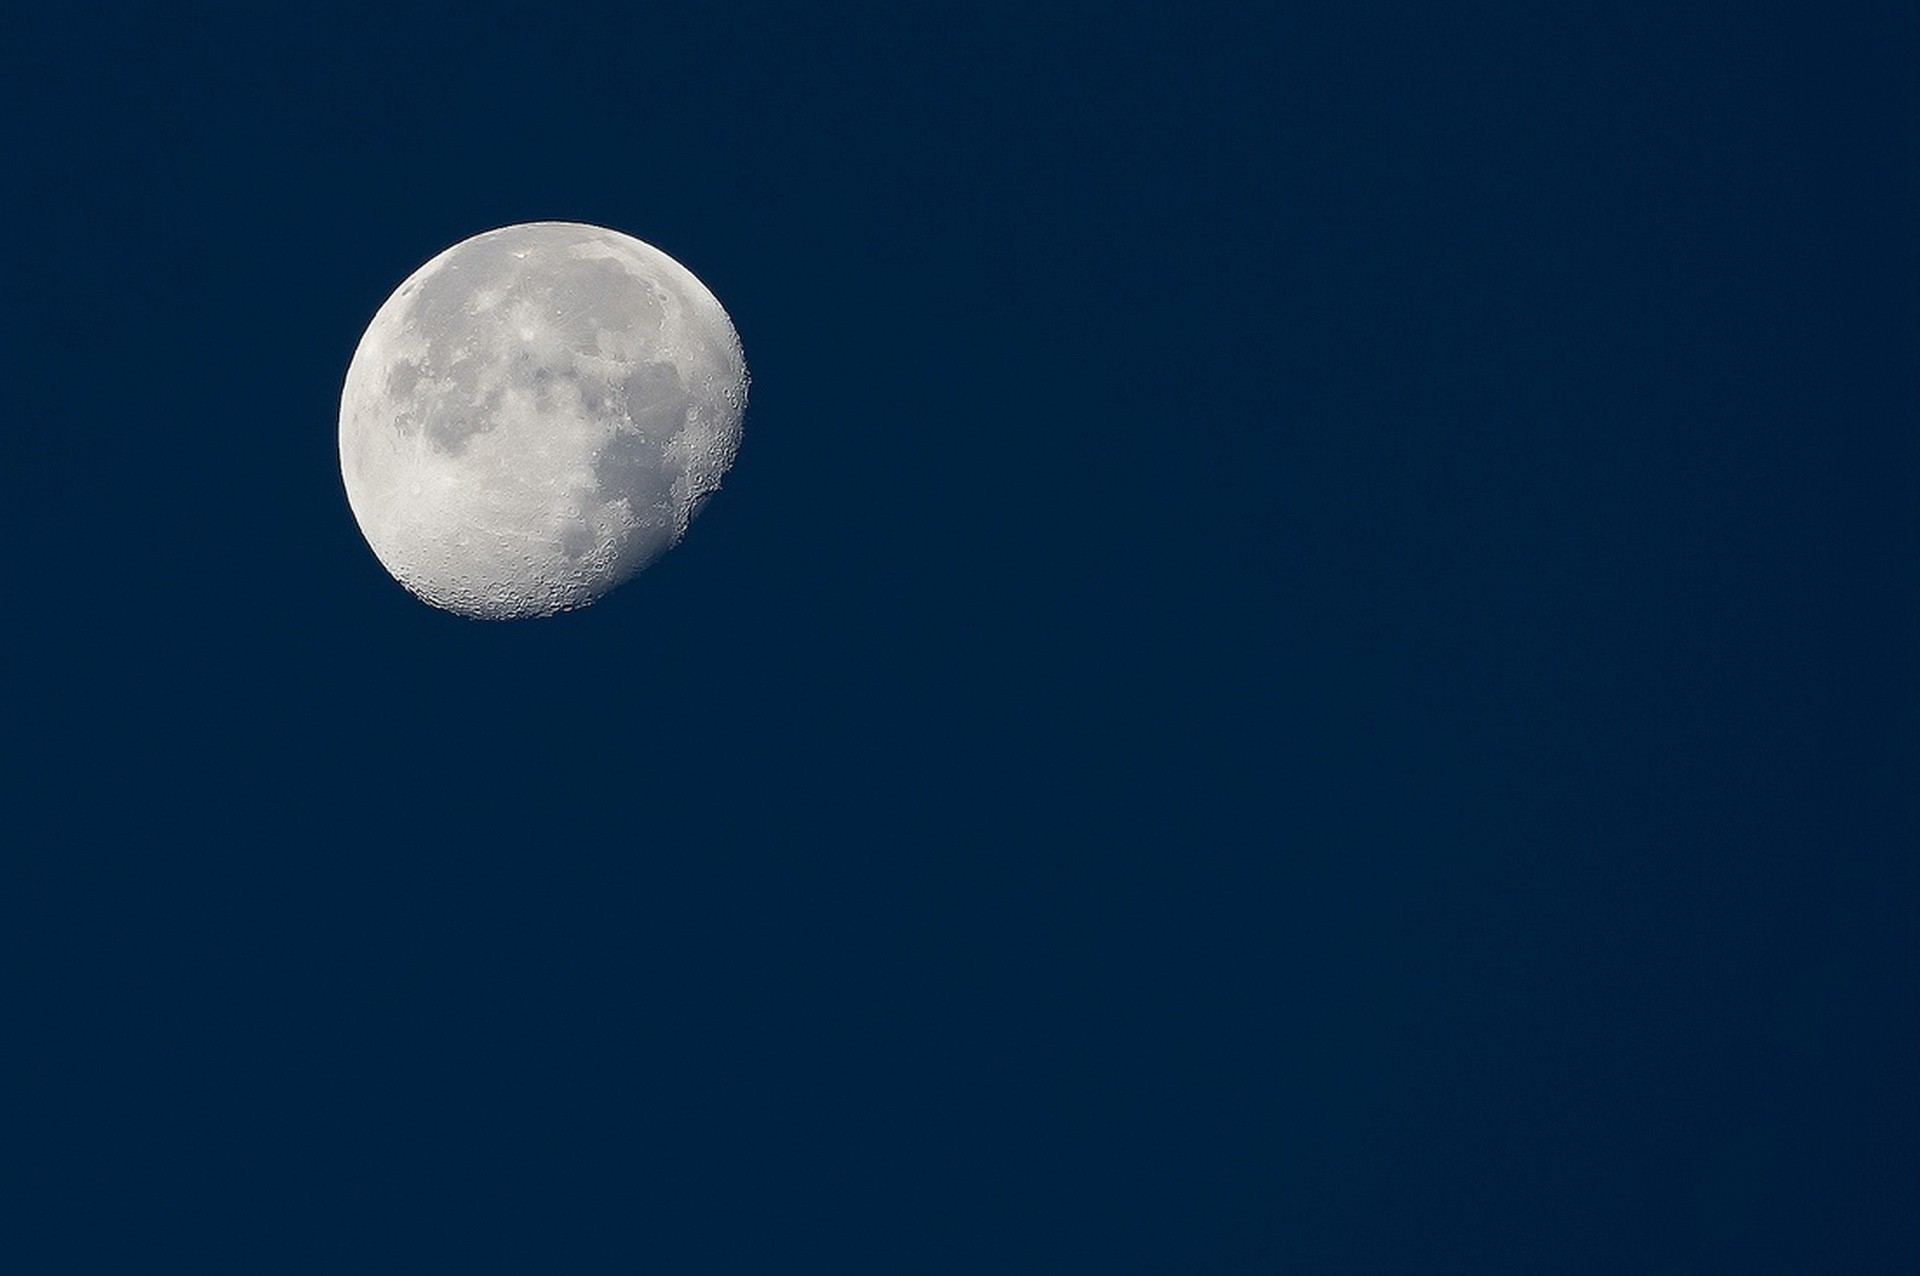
(535, 415)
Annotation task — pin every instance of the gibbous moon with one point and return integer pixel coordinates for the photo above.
(535, 415)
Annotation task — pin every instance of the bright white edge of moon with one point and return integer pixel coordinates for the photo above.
(535, 415)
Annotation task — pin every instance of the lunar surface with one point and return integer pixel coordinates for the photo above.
(535, 415)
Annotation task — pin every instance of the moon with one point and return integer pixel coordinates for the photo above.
(535, 415)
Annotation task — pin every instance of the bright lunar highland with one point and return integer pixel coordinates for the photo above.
(535, 415)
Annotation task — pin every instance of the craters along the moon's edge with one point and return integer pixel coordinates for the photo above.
(537, 414)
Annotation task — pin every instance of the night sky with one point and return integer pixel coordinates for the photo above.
(1309, 664)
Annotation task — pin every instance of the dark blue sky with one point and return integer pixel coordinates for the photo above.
(1309, 664)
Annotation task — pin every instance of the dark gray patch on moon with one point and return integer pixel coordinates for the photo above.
(401, 379)
(449, 424)
(630, 466)
(656, 401)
